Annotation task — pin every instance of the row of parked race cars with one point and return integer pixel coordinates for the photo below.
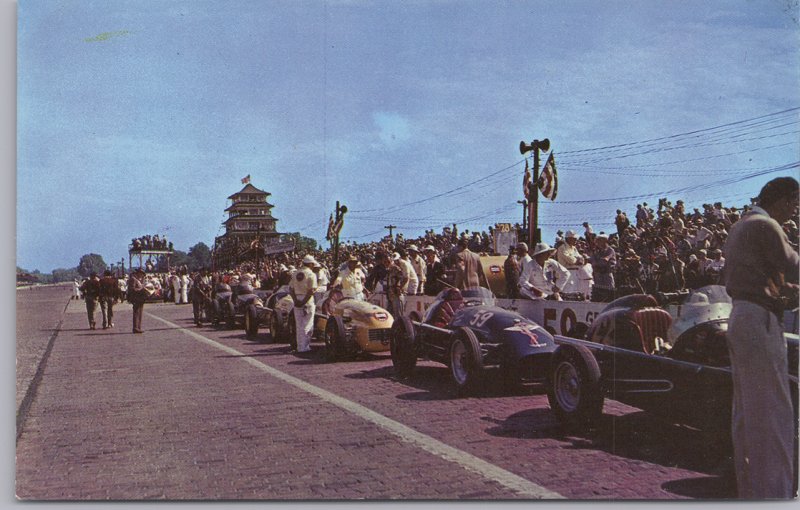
(634, 351)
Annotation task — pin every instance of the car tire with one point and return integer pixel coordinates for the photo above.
(230, 320)
(403, 346)
(466, 361)
(573, 388)
(335, 339)
(217, 312)
(275, 330)
(291, 331)
(251, 322)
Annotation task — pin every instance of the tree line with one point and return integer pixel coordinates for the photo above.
(198, 256)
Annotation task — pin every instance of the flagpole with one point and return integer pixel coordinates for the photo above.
(534, 234)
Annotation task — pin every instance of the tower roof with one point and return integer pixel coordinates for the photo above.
(249, 189)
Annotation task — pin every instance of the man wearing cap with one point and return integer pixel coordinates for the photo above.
(322, 280)
(434, 272)
(351, 280)
(419, 265)
(91, 293)
(396, 285)
(567, 254)
(760, 264)
(109, 290)
(545, 277)
(137, 295)
(603, 261)
(301, 288)
(405, 264)
(524, 261)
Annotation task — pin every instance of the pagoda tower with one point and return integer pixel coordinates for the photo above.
(249, 219)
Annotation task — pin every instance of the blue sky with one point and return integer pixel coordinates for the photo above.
(139, 117)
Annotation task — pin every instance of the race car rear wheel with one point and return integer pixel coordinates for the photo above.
(574, 389)
(275, 329)
(335, 339)
(251, 322)
(466, 361)
(403, 346)
(231, 318)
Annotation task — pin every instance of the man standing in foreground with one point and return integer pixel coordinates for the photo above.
(109, 290)
(137, 295)
(759, 262)
(302, 288)
(91, 294)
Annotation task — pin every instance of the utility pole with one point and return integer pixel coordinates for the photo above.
(524, 203)
(391, 228)
(534, 234)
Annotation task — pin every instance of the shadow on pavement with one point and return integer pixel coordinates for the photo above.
(638, 436)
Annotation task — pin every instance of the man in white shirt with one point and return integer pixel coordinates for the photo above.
(544, 276)
(302, 287)
(419, 265)
(351, 280)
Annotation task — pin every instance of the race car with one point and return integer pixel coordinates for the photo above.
(634, 352)
(245, 306)
(279, 308)
(466, 331)
(350, 326)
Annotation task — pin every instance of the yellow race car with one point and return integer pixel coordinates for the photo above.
(350, 326)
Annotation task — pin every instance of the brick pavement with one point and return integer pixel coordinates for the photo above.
(39, 310)
(161, 415)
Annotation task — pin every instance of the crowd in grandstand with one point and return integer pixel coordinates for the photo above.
(665, 249)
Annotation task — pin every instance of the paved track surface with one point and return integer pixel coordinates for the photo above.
(183, 412)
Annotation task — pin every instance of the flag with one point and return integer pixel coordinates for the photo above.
(246, 180)
(337, 227)
(548, 180)
(329, 234)
(526, 180)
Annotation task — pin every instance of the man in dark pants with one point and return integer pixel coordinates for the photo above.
(109, 291)
(91, 293)
(137, 295)
(759, 264)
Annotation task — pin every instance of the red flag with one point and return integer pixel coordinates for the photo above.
(246, 180)
(526, 180)
(548, 180)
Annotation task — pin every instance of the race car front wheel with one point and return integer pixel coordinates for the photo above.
(574, 386)
(335, 338)
(402, 345)
(251, 322)
(275, 330)
(466, 361)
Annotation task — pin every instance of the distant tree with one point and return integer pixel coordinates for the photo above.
(89, 263)
(65, 275)
(301, 243)
(199, 256)
(177, 259)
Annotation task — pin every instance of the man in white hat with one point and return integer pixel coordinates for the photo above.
(545, 277)
(301, 288)
(419, 265)
(351, 280)
(524, 260)
(408, 269)
(567, 254)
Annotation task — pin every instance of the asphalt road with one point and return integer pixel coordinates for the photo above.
(183, 412)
